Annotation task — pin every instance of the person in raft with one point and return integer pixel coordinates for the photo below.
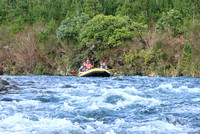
(90, 66)
(103, 65)
(83, 68)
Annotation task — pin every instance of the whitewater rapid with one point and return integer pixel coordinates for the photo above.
(128, 104)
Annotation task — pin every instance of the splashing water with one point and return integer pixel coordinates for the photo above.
(69, 104)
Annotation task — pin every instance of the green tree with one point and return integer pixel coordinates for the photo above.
(70, 28)
(171, 20)
(109, 31)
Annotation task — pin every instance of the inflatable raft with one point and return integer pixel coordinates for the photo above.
(96, 72)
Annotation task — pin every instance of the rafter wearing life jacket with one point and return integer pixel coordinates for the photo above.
(90, 66)
(83, 68)
(103, 65)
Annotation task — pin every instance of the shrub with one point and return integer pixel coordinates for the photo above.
(42, 70)
(69, 28)
(18, 25)
(187, 51)
(171, 20)
(110, 31)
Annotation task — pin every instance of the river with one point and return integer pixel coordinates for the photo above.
(112, 105)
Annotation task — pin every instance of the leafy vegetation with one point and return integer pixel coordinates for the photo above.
(171, 20)
(109, 31)
(136, 37)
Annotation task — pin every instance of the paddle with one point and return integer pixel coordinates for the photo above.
(74, 72)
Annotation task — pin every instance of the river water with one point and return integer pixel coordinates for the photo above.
(121, 105)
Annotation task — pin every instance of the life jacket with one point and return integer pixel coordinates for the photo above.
(84, 69)
(89, 66)
(103, 67)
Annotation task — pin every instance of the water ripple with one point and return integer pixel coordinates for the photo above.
(133, 104)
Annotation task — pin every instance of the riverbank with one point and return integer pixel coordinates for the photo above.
(55, 38)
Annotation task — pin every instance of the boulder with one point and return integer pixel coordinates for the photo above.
(68, 86)
(14, 87)
(2, 87)
(117, 79)
(9, 99)
(4, 82)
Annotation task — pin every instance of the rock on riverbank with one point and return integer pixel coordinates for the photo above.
(7, 84)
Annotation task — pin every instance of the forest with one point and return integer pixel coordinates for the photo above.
(134, 37)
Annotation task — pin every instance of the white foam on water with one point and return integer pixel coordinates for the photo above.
(169, 87)
(186, 89)
(133, 89)
(193, 90)
(158, 127)
(92, 107)
(19, 124)
(28, 103)
(6, 108)
(119, 122)
(74, 98)
(125, 99)
(91, 97)
(111, 132)
(67, 107)
(163, 87)
(78, 99)
(1, 108)
(101, 126)
(196, 99)
(91, 91)
(89, 129)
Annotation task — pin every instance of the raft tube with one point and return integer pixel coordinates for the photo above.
(96, 72)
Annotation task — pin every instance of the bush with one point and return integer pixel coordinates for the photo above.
(42, 70)
(18, 25)
(69, 28)
(110, 31)
(187, 51)
(171, 20)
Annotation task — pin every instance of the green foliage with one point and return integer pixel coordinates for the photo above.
(130, 57)
(99, 28)
(110, 31)
(187, 50)
(146, 61)
(148, 56)
(69, 28)
(18, 25)
(187, 64)
(92, 7)
(191, 68)
(143, 11)
(43, 35)
(171, 20)
(15, 70)
(52, 26)
(134, 10)
(42, 70)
